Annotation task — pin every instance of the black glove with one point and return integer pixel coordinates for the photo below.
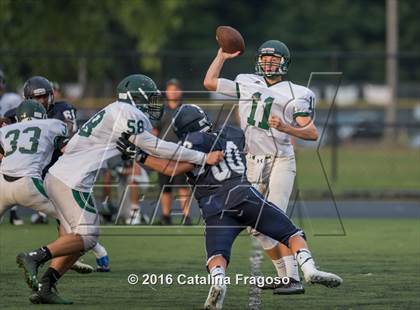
(127, 149)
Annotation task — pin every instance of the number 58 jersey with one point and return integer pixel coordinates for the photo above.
(258, 101)
(28, 146)
(95, 143)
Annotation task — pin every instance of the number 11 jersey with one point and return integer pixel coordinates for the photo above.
(258, 101)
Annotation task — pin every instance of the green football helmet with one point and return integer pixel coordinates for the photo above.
(277, 49)
(30, 109)
(142, 92)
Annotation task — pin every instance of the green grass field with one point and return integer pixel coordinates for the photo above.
(369, 168)
(379, 261)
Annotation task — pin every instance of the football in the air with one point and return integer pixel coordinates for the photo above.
(229, 39)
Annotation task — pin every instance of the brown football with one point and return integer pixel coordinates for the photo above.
(229, 39)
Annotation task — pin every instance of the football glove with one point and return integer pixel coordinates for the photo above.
(127, 149)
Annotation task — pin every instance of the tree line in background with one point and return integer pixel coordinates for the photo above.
(99, 42)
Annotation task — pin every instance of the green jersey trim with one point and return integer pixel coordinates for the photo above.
(40, 186)
(84, 200)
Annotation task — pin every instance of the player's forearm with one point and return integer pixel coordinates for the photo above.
(167, 150)
(167, 167)
(213, 73)
(308, 133)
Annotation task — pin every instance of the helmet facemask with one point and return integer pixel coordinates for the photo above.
(147, 103)
(47, 100)
(277, 67)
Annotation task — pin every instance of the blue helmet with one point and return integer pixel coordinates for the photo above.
(190, 118)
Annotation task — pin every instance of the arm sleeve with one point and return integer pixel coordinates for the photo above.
(196, 141)
(61, 135)
(167, 150)
(228, 88)
(304, 106)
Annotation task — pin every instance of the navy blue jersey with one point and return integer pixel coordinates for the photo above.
(63, 111)
(222, 186)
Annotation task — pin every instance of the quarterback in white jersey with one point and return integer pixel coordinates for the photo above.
(26, 148)
(70, 180)
(271, 111)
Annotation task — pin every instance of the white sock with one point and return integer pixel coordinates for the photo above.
(218, 274)
(306, 262)
(99, 250)
(292, 270)
(280, 267)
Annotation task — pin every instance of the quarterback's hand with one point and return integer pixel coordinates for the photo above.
(127, 149)
(225, 56)
(277, 123)
(213, 158)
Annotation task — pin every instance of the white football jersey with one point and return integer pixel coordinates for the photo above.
(257, 101)
(28, 146)
(8, 102)
(95, 143)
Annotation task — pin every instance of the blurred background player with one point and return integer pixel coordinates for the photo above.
(169, 184)
(268, 101)
(131, 179)
(8, 103)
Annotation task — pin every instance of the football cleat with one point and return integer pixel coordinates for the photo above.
(39, 218)
(30, 270)
(292, 288)
(81, 267)
(215, 298)
(49, 297)
(324, 278)
(268, 285)
(14, 219)
(103, 264)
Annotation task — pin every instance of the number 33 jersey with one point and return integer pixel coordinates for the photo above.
(28, 146)
(258, 101)
(95, 143)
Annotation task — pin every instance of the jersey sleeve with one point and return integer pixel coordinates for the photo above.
(228, 88)
(60, 128)
(60, 133)
(167, 150)
(199, 142)
(304, 105)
